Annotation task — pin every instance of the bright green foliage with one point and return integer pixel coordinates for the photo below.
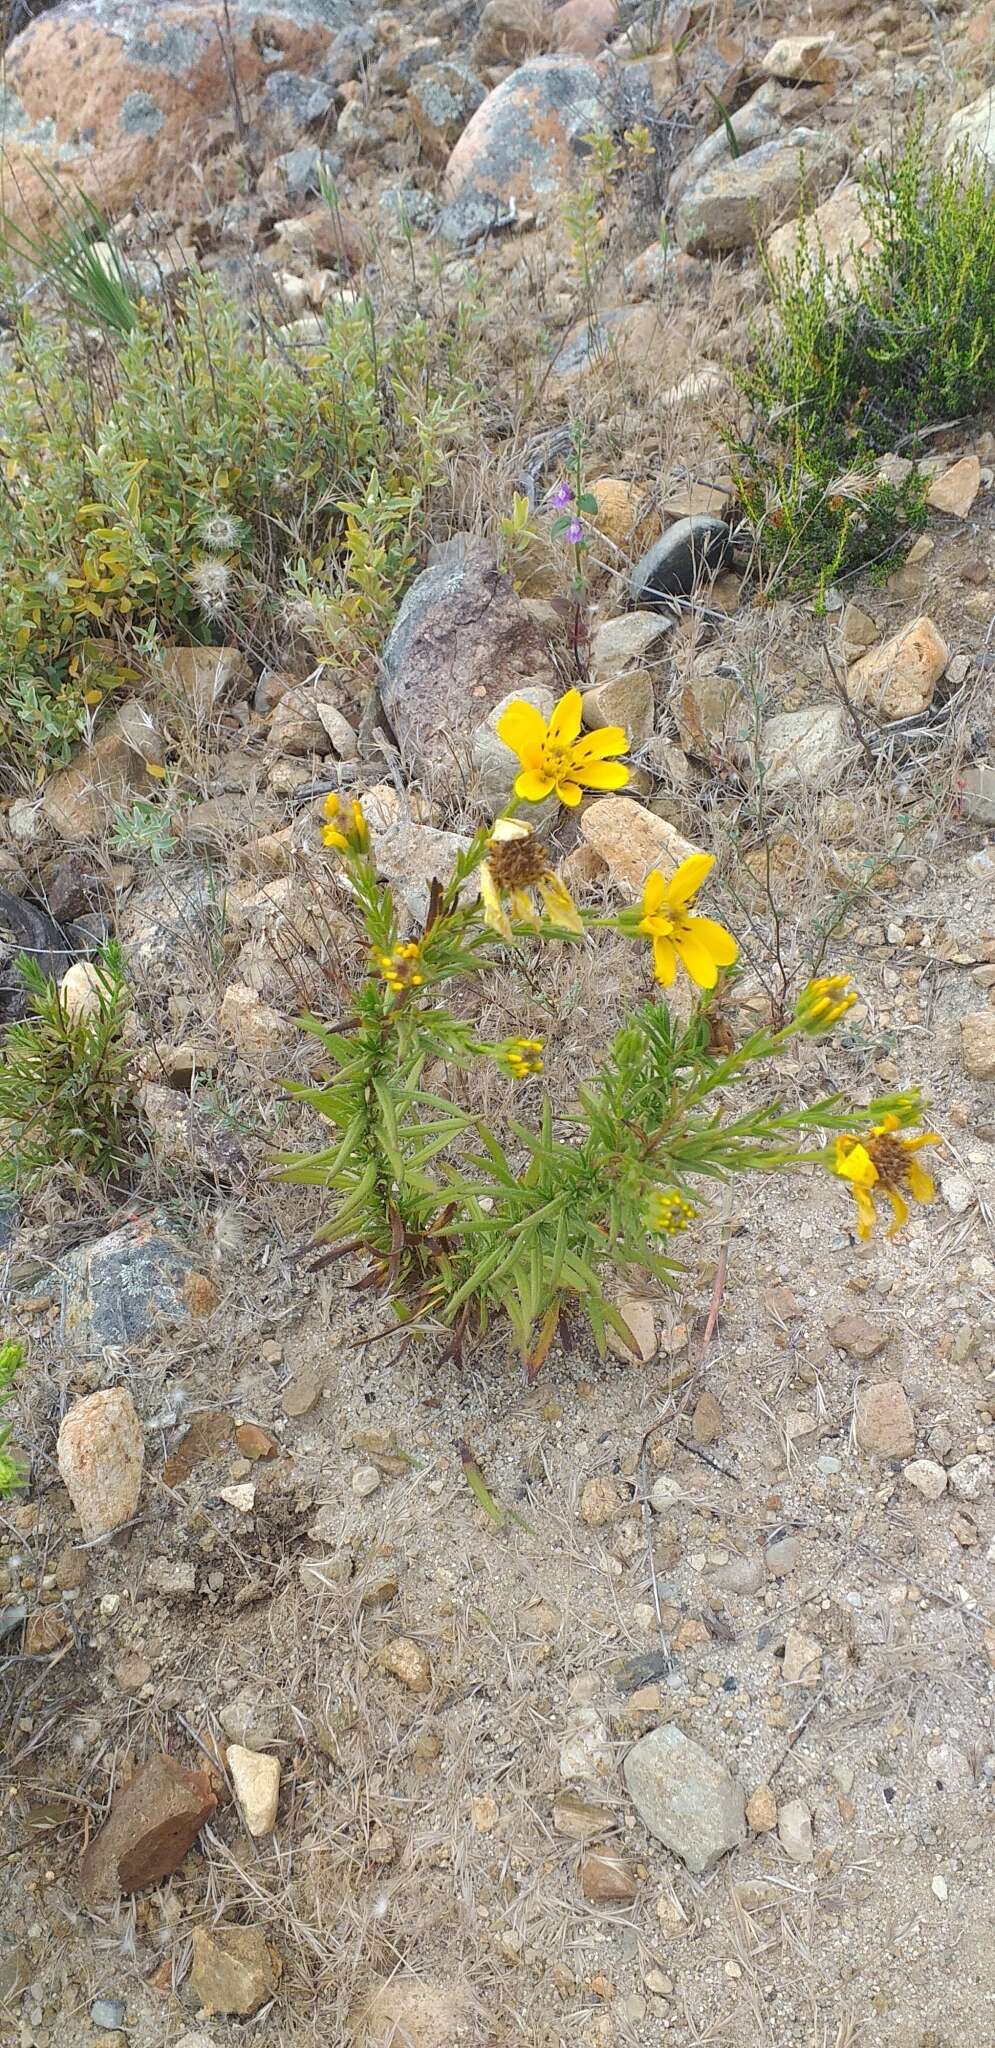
(850, 368)
(11, 1361)
(64, 1093)
(464, 1222)
(193, 479)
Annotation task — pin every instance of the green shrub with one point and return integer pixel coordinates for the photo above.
(191, 479)
(850, 367)
(546, 1215)
(11, 1361)
(64, 1093)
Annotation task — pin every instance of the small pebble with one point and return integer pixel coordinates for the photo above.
(365, 1480)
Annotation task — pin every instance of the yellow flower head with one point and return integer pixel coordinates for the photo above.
(401, 969)
(823, 1002)
(881, 1161)
(516, 863)
(670, 1210)
(523, 1057)
(354, 837)
(555, 758)
(701, 945)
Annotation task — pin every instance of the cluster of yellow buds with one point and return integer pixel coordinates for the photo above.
(671, 1211)
(355, 835)
(823, 1002)
(523, 1057)
(401, 969)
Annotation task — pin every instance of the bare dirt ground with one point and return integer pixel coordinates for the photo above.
(798, 1607)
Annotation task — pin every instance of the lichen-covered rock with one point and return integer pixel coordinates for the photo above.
(113, 94)
(521, 146)
(118, 1289)
(441, 99)
(739, 202)
(461, 641)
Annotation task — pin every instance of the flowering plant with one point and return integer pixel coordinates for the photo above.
(462, 1223)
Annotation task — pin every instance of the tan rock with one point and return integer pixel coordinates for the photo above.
(408, 1662)
(761, 1810)
(579, 1818)
(584, 26)
(199, 679)
(606, 1878)
(794, 1829)
(741, 200)
(708, 1421)
(510, 30)
(233, 1970)
(956, 490)
(897, 679)
(628, 701)
(977, 1044)
(802, 60)
(256, 1779)
(101, 1452)
(624, 516)
(631, 641)
(631, 841)
(252, 1026)
(691, 500)
(837, 228)
(80, 800)
(416, 2012)
(44, 1630)
(83, 990)
(639, 1317)
(152, 1825)
(885, 1422)
(600, 1501)
(858, 1336)
(802, 1658)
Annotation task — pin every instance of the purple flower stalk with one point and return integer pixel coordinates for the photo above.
(575, 532)
(562, 495)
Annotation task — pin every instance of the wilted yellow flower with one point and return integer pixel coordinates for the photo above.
(523, 1056)
(823, 1002)
(880, 1160)
(401, 969)
(554, 757)
(516, 863)
(701, 945)
(670, 1210)
(355, 835)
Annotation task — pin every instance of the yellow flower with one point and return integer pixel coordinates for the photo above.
(523, 1057)
(516, 862)
(879, 1160)
(401, 969)
(554, 757)
(823, 1002)
(354, 838)
(701, 945)
(671, 1211)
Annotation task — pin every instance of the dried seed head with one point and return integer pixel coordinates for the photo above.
(517, 863)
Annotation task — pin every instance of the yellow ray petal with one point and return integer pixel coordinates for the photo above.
(720, 943)
(559, 903)
(564, 724)
(521, 726)
(688, 878)
(867, 1215)
(606, 739)
(695, 956)
(900, 1211)
(664, 961)
(569, 793)
(854, 1163)
(920, 1183)
(600, 774)
(495, 915)
(654, 891)
(532, 786)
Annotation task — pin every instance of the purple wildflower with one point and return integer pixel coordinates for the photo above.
(562, 495)
(575, 532)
